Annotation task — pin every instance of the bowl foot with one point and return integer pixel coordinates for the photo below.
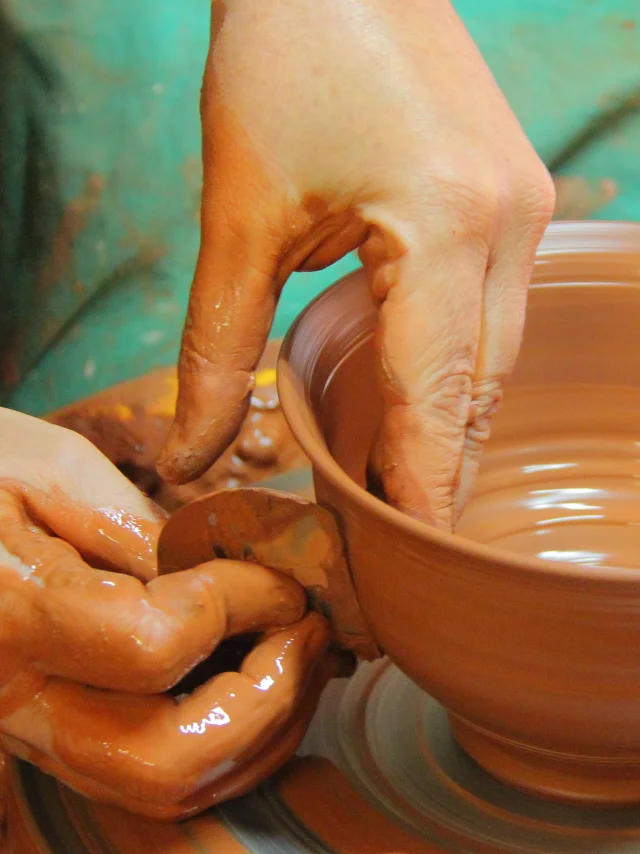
(554, 776)
(380, 771)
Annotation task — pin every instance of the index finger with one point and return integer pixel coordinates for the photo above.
(429, 322)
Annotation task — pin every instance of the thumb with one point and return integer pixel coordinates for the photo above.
(230, 313)
(233, 296)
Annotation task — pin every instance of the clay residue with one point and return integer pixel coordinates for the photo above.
(280, 531)
(130, 422)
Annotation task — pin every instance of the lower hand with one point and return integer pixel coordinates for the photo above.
(91, 640)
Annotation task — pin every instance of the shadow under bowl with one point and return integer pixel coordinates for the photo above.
(525, 625)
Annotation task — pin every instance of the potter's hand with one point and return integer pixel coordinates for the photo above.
(85, 651)
(331, 125)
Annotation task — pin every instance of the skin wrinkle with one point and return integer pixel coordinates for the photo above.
(381, 130)
(219, 338)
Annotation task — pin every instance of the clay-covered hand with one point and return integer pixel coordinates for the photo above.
(334, 125)
(90, 639)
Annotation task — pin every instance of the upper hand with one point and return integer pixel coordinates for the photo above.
(334, 125)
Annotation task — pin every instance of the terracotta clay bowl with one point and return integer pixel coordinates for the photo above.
(525, 625)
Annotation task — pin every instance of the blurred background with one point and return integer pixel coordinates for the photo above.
(100, 167)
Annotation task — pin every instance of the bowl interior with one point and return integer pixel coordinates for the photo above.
(560, 477)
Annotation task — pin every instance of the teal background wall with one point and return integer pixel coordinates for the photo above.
(112, 293)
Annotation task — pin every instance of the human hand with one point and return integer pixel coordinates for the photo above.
(90, 639)
(334, 125)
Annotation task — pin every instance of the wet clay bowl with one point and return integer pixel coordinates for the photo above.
(525, 625)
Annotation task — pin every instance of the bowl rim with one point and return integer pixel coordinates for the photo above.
(561, 238)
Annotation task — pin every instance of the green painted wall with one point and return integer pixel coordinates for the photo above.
(126, 133)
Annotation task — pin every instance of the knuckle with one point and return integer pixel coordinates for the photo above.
(472, 204)
(155, 665)
(446, 392)
(473, 448)
(162, 651)
(487, 395)
(289, 602)
(486, 398)
(536, 197)
(463, 198)
(484, 197)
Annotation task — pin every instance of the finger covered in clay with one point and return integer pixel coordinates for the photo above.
(165, 758)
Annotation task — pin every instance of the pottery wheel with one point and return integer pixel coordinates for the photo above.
(379, 772)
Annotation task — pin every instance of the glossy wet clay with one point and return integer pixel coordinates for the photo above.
(525, 625)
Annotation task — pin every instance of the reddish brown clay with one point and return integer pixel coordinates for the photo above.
(283, 532)
(537, 660)
(93, 662)
(129, 423)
